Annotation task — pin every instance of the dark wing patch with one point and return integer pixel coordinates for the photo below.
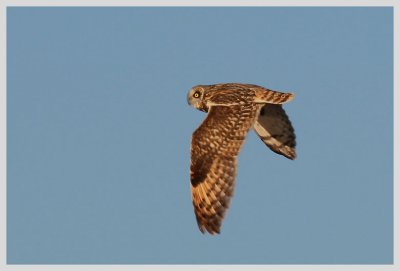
(275, 130)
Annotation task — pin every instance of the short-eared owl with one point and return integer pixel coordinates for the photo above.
(233, 109)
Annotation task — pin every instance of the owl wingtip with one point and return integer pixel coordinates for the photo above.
(292, 156)
(212, 231)
(291, 96)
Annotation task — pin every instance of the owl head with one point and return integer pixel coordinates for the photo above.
(195, 98)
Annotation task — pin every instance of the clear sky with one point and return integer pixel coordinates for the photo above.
(99, 135)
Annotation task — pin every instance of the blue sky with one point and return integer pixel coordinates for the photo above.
(98, 134)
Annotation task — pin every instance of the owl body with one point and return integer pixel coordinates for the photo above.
(233, 109)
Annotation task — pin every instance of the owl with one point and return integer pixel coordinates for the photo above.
(233, 109)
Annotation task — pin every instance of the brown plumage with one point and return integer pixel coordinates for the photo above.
(233, 109)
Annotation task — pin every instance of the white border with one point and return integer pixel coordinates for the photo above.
(198, 3)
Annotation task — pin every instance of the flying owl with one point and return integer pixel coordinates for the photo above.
(233, 109)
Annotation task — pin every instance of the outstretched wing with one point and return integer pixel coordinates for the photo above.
(275, 130)
(215, 147)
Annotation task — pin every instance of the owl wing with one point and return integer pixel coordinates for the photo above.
(263, 95)
(214, 150)
(275, 130)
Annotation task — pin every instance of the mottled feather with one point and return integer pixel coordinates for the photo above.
(215, 147)
(264, 95)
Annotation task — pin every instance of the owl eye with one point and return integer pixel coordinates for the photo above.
(196, 94)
